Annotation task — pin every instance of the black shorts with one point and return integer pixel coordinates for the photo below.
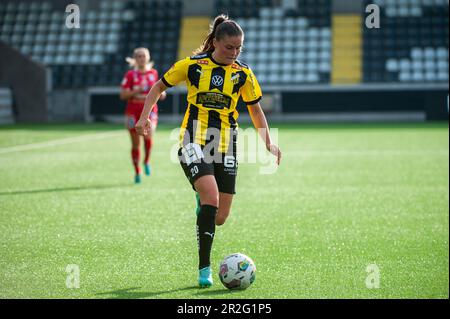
(198, 161)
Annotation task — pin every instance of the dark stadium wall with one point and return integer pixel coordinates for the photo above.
(346, 6)
(198, 8)
(432, 103)
(28, 82)
(68, 105)
(356, 104)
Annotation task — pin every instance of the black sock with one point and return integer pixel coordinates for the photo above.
(206, 226)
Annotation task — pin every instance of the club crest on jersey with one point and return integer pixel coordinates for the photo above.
(217, 80)
(204, 62)
(235, 78)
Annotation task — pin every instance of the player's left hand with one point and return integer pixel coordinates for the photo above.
(275, 150)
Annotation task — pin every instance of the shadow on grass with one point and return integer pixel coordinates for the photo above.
(66, 189)
(129, 293)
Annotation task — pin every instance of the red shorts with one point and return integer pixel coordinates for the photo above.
(133, 115)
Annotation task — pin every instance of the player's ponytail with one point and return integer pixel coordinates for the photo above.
(132, 61)
(221, 26)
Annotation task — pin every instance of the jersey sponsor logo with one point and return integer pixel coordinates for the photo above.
(204, 62)
(217, 80)
(214, 100)
(192, 152)
(235, 66)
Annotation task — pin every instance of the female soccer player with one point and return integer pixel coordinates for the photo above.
(135, 86)
(215, 81)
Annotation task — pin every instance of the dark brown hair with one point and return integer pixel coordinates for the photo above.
(222, 26)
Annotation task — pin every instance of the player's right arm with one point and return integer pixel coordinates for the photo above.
(176, 74)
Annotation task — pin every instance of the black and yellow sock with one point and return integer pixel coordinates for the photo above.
(206, 227)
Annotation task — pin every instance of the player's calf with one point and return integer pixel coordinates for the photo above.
(222, 216)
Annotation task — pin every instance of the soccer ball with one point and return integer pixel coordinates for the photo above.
(237, 271)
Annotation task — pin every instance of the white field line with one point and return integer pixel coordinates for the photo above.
(58, 142)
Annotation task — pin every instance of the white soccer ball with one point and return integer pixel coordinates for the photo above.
(237, 271)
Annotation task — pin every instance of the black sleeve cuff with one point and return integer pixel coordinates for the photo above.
(253, 102)
(166, 83)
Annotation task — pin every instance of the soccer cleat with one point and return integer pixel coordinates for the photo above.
(197, 197)
(147, 169)
(204, 277)
(137, 179)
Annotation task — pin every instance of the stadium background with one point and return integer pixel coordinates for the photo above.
(348, 196)
(316, 60)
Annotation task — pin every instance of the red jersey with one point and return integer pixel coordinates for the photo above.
(135, 80)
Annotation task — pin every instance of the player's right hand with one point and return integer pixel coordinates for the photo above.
(275, 150)
(143, 126)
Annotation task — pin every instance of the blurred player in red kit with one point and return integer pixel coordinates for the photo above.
(134, 88)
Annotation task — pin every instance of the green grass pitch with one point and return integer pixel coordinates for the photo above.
(345, 197)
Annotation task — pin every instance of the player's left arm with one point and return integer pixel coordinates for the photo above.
(260, 122)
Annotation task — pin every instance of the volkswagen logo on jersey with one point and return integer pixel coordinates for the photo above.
(217, 80)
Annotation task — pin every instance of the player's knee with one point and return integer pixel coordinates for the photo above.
(135, 147)
(210, 198)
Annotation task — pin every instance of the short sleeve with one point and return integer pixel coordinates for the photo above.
(127, 81)
(251, 91)
(177, 73)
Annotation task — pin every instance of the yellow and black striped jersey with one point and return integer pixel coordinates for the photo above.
(213, 93)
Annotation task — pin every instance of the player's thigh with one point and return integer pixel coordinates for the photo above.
(200, 173)
(206, 187)
(225, 172)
